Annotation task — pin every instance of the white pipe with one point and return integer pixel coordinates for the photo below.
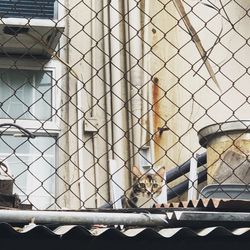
(145, 90)
(82, 103)
(193, 180)
(116, 82)
(117, 181)
(128, 88)
(96, 34)
(64, 53)
(80, 139)
(144, 112)
(82, 218)
(107, 79)
(136, 76)
(149, 83)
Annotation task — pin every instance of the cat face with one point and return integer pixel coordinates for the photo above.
(146, 187)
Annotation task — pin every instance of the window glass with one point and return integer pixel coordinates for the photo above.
(25, 94)
(32, 165)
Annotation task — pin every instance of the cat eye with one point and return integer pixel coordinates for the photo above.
(142, 185)
(155, 185)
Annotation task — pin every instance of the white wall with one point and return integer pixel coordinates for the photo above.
(183, 99)
(184, 96)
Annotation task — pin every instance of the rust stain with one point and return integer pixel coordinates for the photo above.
(154, 30)
(157, 97)
(156, 109)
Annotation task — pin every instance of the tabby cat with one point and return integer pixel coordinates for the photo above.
(146, 187)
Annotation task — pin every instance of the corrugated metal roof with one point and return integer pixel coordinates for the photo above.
(78, 237)
(80, 232)
(209, 204)
(183, 219)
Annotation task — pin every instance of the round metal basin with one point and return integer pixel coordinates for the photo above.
(228, 151)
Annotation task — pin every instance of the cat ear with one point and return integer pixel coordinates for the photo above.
(161, 172)
(136, 171)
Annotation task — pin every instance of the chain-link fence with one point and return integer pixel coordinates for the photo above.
(123, 103)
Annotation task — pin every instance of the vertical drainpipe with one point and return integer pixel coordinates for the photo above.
(93, 94)
(116, 77)
(148, 80)
(136, 76)
(130, 146)
(62, 201)
(84, 159)
(98, 90)
(107, 78)
(80, 135)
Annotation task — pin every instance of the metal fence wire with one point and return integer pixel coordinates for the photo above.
(123, 104)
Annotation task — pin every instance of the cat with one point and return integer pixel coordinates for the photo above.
(146, 187)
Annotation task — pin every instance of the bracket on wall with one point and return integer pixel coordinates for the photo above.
(90, 125)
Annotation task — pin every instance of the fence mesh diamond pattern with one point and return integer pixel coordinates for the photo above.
(123, 104)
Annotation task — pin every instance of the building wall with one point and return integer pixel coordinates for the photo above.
(185, 99)
(176, 93)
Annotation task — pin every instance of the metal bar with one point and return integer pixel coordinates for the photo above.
(82, 218)
(180, 188)
(193, 180)
(211, 216)
(184, 168)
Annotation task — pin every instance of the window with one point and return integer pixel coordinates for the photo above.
(27, 97)
(25, 94)
(32, 165)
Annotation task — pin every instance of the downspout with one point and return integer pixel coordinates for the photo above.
(99, 88)
(93, 94)
(81, 117)
(149, 88)
(130, 146)
(62, 200)
(107, 79)
(81, 85)
(136, 76)
(117, 103)
(80, 138)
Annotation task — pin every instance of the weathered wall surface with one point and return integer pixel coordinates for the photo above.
(185, 98)
(177, 93)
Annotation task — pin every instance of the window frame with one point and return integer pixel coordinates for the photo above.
(38, 126)
(26, 188)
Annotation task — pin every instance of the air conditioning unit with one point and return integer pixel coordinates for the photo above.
(29, 27)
